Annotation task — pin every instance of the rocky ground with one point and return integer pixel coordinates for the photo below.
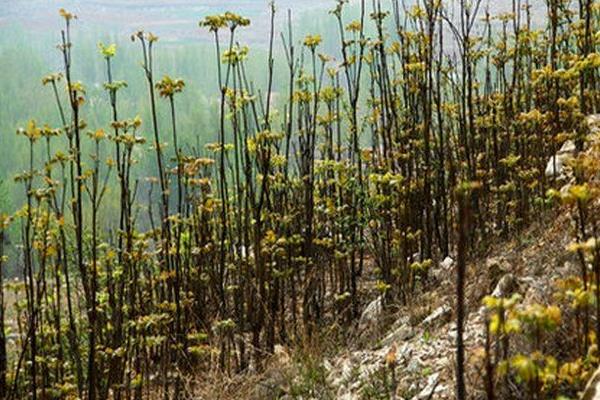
(409, 353)
(423, 336)
(422, 339)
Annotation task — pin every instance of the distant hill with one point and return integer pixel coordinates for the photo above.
(174, 20)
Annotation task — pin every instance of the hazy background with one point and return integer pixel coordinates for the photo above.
(173, 20)
(30, 31)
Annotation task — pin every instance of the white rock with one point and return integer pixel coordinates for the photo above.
(452, 334)
(593, 119)
(443, 271)
(414, 366)
(505, 286)
(447, 263)
(557, 162)
(371, 314)
(438, 313)
(555, 166)
(442, 363)
(431, 387)
(400, 332)
(592, 389)
(568, 147)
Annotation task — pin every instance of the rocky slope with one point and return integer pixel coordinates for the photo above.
(421, 341)
(409, 353)
(424, 333)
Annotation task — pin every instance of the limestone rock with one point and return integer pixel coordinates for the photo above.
(556, 164)
(593, 122)
(431, 388)
(592, 389)
(438, 314)
(447, 263)
(505, 286)
(399, 334)
(443, 270)
(371, 314)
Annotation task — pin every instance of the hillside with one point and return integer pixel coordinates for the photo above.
(403, 204)
(408, 353)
